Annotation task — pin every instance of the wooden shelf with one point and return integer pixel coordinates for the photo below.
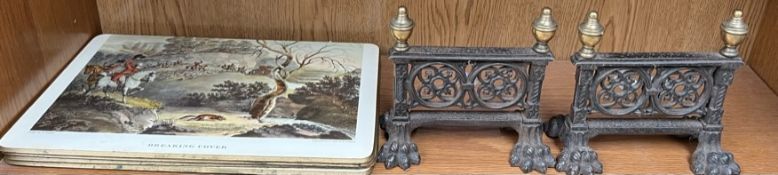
(751, 115)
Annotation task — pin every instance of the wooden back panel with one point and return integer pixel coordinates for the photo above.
(763, 57)
(37, 39)
(633, 25)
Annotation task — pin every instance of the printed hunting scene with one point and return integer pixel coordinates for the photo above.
(213, 87)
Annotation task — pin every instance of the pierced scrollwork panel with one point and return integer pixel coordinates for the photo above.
(497, 85)
(437, 84)
(620, 91)
(680, 91)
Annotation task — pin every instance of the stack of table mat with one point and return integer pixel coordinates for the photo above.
(212, 105)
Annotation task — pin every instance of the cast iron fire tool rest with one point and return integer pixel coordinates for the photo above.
(474, 87)
(649, 93)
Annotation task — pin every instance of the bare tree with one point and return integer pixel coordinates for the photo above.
(291, 58)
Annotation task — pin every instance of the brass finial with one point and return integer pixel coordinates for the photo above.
(590, 32)
(733, 32)
(402, 27)
(543, 29)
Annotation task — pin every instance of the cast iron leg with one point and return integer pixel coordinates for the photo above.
(399, 149)
(530, 153)
(576, 156)
(709, 158)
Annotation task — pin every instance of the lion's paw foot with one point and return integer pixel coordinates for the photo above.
(532, 157)
(579, 161)
(715, 163)
(402, 154)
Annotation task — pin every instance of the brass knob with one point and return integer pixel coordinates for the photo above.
(733, 31)
(590, 32)
(543, 29)
(402, 27)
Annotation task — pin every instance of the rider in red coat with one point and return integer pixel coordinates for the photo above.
(129, 68)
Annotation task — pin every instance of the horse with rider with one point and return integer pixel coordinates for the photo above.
(117, 75)
(127, 67)
(118, 70)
